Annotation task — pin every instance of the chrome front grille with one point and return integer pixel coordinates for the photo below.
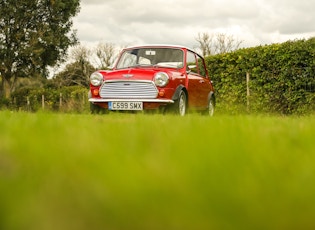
(128, 89)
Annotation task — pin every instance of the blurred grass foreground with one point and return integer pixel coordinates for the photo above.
(127, 171)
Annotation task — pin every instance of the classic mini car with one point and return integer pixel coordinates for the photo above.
(154, 77)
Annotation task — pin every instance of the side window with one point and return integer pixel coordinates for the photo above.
(191, 62)
(201, 66)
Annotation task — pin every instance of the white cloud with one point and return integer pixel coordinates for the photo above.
(256, 22)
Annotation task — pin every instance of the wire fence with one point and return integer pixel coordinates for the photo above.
(75, 101)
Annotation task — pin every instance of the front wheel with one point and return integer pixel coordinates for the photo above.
(180, 105)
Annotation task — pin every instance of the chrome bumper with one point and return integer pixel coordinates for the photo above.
(100, 100)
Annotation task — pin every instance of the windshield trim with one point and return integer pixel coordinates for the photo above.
(149, 59)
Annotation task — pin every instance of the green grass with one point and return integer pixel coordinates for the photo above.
(127, 171)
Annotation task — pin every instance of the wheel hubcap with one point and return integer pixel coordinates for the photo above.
(182, 104)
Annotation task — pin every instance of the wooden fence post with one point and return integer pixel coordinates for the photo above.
(60, 101)
(28, 103)
(248, 92)
(43, 102)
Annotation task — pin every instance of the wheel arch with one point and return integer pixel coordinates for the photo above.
(177, 92)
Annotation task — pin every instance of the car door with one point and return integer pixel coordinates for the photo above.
(199, 85)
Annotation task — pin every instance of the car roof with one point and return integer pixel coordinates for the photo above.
(160, 45)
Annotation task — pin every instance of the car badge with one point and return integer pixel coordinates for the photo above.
(127, 75)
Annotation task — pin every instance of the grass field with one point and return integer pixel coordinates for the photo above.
(127, 171)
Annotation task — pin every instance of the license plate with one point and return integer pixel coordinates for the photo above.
(125, 105)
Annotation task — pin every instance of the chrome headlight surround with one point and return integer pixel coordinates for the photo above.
(96, 79)
(161, 79)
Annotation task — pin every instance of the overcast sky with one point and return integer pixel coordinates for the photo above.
(255, 22)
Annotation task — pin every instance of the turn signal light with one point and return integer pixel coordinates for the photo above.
(95, 92)
(162, 93)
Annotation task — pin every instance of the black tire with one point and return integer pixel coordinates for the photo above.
(180, 105)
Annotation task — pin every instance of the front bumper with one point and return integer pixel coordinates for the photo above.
(102, 100)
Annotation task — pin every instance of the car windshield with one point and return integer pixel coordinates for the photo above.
(159, 57)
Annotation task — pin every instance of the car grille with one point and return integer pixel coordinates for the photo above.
(128, 89)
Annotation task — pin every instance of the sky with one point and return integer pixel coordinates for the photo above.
(133, 22)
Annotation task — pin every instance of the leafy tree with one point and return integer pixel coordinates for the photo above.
(33, 36)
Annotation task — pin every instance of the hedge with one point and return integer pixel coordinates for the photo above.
(282, 78)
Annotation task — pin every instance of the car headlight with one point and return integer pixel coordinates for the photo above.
(96, 79)
(161, 79)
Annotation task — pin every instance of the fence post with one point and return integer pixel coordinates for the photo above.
(60, 101)
(43, 101)
(248, 92)
(28, 103)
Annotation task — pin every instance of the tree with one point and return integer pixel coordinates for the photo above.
(217, 43)
(105, 55)
(77, 72)
(205, 43)
(81, 56)
(33, 36)
(73, 74)
(225, 43)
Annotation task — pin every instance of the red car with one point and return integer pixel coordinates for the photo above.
(154, 77)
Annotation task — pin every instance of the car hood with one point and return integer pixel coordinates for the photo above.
(133, 74)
